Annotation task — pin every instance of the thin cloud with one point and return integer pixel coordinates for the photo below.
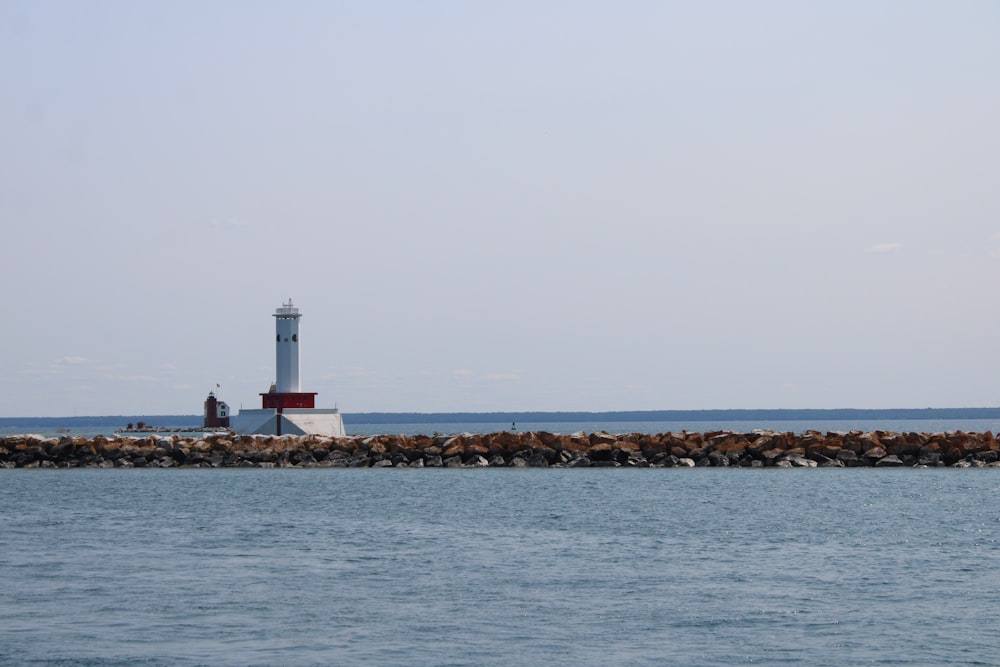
(107, 368)
(71, 361)
(880, 248)
(462, 372)
(501, 377)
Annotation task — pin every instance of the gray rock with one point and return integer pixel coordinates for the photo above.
(875, 454)
(890, 461)
(798, 461)
(477, 461)
(846, 455)
(550, 455)
(718, 459)
(537, 461)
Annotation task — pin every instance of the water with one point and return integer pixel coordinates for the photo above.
(797, 426)
(499, 567)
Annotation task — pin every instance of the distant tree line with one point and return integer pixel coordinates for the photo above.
(840, 414)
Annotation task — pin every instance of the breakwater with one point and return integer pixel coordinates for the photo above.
(507, 449)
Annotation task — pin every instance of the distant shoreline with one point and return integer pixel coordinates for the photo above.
(834, 414)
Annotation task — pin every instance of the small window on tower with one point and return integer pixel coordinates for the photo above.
(295, 338)
(279, 338)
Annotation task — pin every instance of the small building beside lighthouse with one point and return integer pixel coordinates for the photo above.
(285, 408)
(216, 412)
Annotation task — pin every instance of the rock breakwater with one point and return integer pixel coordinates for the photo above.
(759, 449)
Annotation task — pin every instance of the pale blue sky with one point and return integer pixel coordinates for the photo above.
(500, 206)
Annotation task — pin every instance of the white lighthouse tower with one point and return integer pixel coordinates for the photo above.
(286, 409)
(287, 357)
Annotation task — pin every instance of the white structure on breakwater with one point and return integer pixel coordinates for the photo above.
(286, 409)
(287, 349)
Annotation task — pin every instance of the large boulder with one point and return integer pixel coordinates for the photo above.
(537, 461)
(800, 461)
(890, 461)
(601, 452)
(602, 437)
(477, 461)
(874, 454)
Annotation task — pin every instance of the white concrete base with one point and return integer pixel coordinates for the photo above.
(292, 421)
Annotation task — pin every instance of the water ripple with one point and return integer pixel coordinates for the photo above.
(262, 567)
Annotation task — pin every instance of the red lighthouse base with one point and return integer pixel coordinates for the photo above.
(276, 401)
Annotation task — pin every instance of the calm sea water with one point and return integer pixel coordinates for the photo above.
(499, 567)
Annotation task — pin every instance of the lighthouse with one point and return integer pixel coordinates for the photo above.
(285, 408)
(286, 392)
(286, 319)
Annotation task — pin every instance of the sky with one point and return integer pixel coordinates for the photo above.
(491, 206)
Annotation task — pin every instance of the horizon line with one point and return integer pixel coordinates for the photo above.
(694, 414)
